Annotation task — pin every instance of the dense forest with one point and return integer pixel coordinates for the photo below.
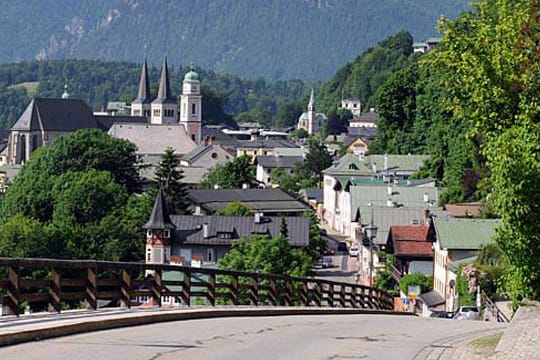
(283, 39)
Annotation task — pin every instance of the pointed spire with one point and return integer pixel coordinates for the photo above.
(144, 85)
(159, 219)
(164, 92)
(312, 99)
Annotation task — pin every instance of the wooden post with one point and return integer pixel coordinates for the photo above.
(212, 289)
(186, 288)
(254, 294)
(342, 296)
(91, 288)
(318, 294)
(234, 289)
(126, 288)
(304, 294)
(157, 286)
(330, 298)
(13, 290)
(55, 290)
(272, 294)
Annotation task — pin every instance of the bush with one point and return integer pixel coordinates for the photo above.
(425, 282)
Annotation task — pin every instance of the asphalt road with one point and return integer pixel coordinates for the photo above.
(288, 337)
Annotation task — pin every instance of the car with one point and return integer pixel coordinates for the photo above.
(441, 314)
(342, 246)
(467, 313)
(353, 251)
(328, 250)
(323, 232)
(327, 262)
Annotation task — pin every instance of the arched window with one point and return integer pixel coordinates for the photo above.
(193, 109)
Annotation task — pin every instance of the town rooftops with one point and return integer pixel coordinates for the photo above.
(464, 210)
(265, 144)
(259, 200)
(354, 165)
(159, 218)
(271, 162)
(464, 234)
(154, 139)
(56, 115)
(408, 197)
(222, 230)
(410, 241)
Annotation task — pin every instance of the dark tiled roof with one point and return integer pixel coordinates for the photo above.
(315, 194)
(432, 298)
(366, 133)
(189, 228)
(106, 121)
(266, 144)
(56, 114)
(159, 219)
(4, 134)
(370, 116)
(287, 162)
(260, 200)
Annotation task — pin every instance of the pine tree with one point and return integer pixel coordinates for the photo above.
(283, 229)
(169, 177)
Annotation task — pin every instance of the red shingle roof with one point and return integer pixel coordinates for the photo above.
(464, 210)
(411, 241)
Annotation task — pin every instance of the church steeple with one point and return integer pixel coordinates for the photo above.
(164, 107)
(191, 105)
(141, 105)
(144, 85)
(311, 105)
(164, 91)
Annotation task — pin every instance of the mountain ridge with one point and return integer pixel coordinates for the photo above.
(283, 39)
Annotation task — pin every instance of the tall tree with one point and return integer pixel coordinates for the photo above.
(169, 178)
(231, 175)
(317, 159)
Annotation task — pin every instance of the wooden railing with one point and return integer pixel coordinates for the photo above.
(53, 285)
(492, 308)
(396, 273)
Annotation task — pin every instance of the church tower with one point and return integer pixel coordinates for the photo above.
(141, 106)
(190, 106)
(159, 229)
(164, 108)
(313, 121)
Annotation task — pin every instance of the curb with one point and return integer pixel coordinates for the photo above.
(128, 319)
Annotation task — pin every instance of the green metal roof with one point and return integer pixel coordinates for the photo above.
(467, 234)
(191, 76)
(454, 265)
(396, 162)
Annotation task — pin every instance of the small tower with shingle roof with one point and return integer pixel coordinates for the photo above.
(159, 229)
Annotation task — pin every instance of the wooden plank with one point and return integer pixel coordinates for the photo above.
(254, 291)
(33, 283)
(91, 288)
(74, 282)
(211, 296)
(73, 295)
(234, 290)
(55, 290)
(109, 294)
(34, 297)
(157, 288)
(186, 289)
(109, 282)
(13, 290)
(126, 288)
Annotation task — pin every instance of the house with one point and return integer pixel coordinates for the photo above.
(206, 238)
(314, 197)
(353, 105)
(311, 121)
(207, 156)
(255, 148)
(412, 249)
(457, 240)
(427, 45)
(367, 120)
(268, 202)
(265, 165)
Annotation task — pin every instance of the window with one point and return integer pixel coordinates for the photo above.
(165, 299)
(210, 255)
(193, 137)
(149, 255)
(136, 112)
(176, 300)
(157, 112)
(149, 233)
(224, 235)
(214, 155)
(167, 233)
(353, 167)
(193, 109)
(143, 299)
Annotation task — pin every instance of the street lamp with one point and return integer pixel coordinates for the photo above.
(371, 233)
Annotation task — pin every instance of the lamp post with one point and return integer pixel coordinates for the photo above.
(371, 233)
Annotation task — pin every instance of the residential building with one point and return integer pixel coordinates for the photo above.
(261, 147)
(266, 164)
(456, 240)
(353, 105)
(368, 119)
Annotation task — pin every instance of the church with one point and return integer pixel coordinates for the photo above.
(311, 121)
(154, 124)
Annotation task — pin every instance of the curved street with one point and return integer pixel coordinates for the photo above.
(281, 337)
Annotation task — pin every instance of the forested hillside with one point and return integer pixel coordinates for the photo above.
(98, 82)
(283, 39)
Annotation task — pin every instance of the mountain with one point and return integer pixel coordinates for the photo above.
(278, 39)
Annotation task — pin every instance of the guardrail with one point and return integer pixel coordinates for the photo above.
(58, 284)
(491, 307)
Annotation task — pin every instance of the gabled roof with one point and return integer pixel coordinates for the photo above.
(154, 139)
(159, 218)
(106, 121)
(314, 194)
(464, 210)
(371, 116)
(464, 234)
(410, 241)
(189, 228)
(260, 200)
(56, 115)
(143, 96)
(399, 163)
(164, 90)
(285, 162)
(349, 164)
(202, 149)
(265, 144)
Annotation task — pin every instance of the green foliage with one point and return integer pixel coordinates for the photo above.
(235, 208)
(260, 253)
(462, 289)
(77, 199)
(317, 159)
(169, 178)
(425, 282)
(231, 175)
(316, 242)
(338, 122)
(384, 279)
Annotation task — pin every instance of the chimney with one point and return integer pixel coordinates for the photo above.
(258, 217)
(205, 230)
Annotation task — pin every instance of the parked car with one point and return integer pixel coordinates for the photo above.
(467, 313)
(342, 246)
(441, 314)
(328, 250)
(327, 262)
(353, 251)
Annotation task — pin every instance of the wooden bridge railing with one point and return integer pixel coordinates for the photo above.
(53, 285)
